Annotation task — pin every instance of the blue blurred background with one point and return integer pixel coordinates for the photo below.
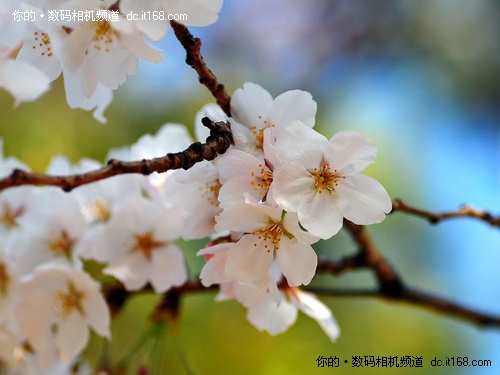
(419, 78)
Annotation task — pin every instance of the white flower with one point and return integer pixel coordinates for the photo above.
(253, 110)
(111, 49)
(320, 180)
(267, 232)
(56, 308)
(138, 245)
(49, 232)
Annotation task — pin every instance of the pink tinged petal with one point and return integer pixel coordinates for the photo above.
(300, 144)
(96, 313)
(314, 308)
(319, 215)
(242, 217)
(248, 261)
(271, 317)
(235, 163)
(71, 337)
(291, 106)
(292, 186)
(213, 271)
(249, 103)
(167, 269)
(350, 152)
(23, 81)
(132, 270)
(297, 261)
(363, 200)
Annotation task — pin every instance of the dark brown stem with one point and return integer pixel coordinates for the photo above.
(194, 59)
(217, 143)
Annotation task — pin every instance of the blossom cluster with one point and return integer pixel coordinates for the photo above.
(94, 54)
(279, 189)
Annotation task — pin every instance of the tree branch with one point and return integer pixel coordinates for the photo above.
(421, 299)
(217, 143)
(194, 59)
(434, 218)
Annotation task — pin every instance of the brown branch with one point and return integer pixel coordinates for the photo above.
(217, 143)
(421, 299)
(434, 218)
(194, 59)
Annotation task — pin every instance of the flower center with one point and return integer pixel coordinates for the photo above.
(100, 211)
(258, 132)
(68, 301)
(4, 279)
(325, 179)
(271, 235)
(103, 34)
(262, 181)
(146, 244)
(9, 215)
(42, 41)
(210, 191)
(62, 244)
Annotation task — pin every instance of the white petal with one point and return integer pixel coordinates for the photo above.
(167, 269)
(199, 12)
(248, 261)
(350, 152)
(292, 186)
(311, 306)
(319, 215)
(25, 82)
(235, 163)
(242, 217)
(132, 270)
(97, 313)
(249, 103)
(213, 271)
(297, 261)
(363, 200)
(156, 30)
(291, 106)
(71, 337)
(273, 318)
(300, 144)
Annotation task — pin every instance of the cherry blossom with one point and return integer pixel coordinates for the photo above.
(254, 110)
(57, 307)
(268, 231)
(138, 247)
(320, 180)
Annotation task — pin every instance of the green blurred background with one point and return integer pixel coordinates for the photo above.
(419, 78)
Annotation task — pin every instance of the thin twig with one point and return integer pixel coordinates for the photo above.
(434, 218)
(217, 143)
(194, 59)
